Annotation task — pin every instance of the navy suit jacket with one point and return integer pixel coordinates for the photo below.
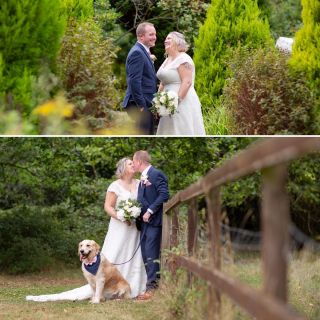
(141, 78)
(154, 195)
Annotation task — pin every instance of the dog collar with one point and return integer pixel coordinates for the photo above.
(93, 267)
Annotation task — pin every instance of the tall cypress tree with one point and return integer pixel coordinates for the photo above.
(30, 32)
(228, 24)
(306, 47)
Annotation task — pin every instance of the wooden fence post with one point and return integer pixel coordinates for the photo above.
(192, 226)
(275, 236)
(174, 236)
(165, 240)
(214, 220)
(192, 231)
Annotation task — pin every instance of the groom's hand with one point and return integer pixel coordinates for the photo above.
(146, 217)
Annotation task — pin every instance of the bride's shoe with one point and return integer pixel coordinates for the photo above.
(145, 296)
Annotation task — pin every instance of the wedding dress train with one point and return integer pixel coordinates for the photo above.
(119, 246)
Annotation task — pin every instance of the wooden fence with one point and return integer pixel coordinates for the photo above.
(270, 156)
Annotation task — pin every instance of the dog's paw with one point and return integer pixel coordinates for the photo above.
(95, 300)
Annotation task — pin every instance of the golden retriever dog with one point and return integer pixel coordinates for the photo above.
(104, 278)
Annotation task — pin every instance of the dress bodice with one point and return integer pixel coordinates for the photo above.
(168, 72)
(121, 192)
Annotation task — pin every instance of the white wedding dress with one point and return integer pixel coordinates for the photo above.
(119, 245)
(188, 118)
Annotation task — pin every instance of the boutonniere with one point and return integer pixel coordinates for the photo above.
(153, 58)
(145, 181)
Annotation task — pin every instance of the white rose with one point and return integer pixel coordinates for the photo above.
(173, 95)
(163, 111)
(126, 207)
(135, 211)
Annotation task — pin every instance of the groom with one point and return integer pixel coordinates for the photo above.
(141, 79)
(152, 193)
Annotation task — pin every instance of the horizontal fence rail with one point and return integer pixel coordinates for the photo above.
(269, 156)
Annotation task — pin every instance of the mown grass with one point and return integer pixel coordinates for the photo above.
(13, 305)
(174, 300)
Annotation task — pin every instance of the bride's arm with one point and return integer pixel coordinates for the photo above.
(185, 73)
(160, 87)
(110, 204)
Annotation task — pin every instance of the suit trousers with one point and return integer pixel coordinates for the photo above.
(150, 249)
(143, 119)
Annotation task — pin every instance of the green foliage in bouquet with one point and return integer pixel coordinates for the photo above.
(85, 66)
(30, 33)
(265, 98)
(228, 24)
(306, 47)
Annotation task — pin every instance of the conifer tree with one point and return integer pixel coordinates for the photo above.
(306, 47)
(228, 24)
(30, 32)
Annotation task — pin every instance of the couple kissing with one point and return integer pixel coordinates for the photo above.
(134, 251)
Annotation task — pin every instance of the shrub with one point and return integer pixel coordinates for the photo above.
(27, 236)
(265, 98)
(228, 24)
(86, 70)
(30, 33)
(306, 47)
(284, 16)
(78, 9)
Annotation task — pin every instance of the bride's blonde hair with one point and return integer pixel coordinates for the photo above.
(179, 41)
(121, 167)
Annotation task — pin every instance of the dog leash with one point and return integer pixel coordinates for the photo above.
(135, 251)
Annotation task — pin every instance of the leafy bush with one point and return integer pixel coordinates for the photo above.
(30, 33)
(284, 16)
(227, 25)
(304, 189)
(27, 237)
(306, 47)
(265, 98)
(79, 9)
(86, 70)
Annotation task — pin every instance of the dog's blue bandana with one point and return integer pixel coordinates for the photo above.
(93, 267)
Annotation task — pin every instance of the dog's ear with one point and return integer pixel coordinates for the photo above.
(79, 245)
(97, 246)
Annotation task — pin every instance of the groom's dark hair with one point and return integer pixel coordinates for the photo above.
(143, 155)
(141, 28)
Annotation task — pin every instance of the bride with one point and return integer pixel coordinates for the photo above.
(121, 240)
(177, 73)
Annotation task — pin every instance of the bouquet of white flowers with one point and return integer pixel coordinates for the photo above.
(128, 210)
(165, 103)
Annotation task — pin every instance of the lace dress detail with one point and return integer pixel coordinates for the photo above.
(188, 120)
(119, 245)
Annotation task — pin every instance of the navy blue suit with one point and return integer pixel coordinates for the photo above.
(142, 85)
(152, 195)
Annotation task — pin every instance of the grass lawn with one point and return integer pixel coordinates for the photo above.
(173, 301)
(13, 305)
(303, 286)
